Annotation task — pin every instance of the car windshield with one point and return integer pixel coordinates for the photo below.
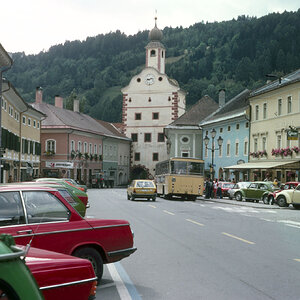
(228, 185)
(144, 184)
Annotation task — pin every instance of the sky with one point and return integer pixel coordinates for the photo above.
(33, 26)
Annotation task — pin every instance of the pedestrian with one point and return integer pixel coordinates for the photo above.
(219, 191)
(207, 188)
(211, 189)
(10, 180)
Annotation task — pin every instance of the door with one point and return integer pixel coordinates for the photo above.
(296, 195)
(251, 191)
(12, 217)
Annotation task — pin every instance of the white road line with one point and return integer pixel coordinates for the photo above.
(238, 238)
(268, 220)
(289, 222)
(290, 225)
(167, 212)
(192, 221)
(153, 206)
(121, 288)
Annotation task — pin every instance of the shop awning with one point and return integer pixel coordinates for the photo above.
(265, 165)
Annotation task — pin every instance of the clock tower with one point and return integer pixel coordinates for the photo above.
(151, 101)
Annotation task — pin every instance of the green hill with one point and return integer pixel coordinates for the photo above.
(203, 58)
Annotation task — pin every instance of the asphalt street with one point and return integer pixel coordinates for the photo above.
(207, 249)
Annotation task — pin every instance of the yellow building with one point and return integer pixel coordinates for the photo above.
(20, 140)
(274, 130)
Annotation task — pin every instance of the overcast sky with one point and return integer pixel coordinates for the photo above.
(35, 25)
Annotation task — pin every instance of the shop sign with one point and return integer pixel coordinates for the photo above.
(64, 165)
(292, 135)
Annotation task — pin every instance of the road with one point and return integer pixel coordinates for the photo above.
(202, 249)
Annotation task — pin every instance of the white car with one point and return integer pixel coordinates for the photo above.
(236, 187)
(287, 197)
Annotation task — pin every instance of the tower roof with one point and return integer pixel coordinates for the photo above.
(155, 34)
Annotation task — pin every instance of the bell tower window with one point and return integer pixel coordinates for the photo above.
(152, 53)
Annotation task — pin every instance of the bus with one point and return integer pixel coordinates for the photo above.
(181, 177)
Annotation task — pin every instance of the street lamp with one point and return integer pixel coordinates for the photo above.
(206, 142)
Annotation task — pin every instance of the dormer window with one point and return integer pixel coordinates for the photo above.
(152, 53)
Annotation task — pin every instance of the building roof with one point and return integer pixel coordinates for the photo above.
(113, 128)
(235, 107)
(63, 118)
(198, 112)
(5, 59)
(280, 82)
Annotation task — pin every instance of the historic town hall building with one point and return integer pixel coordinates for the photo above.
(151, 101)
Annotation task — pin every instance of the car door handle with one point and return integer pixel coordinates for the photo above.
(28, 231)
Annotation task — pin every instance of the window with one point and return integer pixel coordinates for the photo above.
(237, 126)
(220, 151)
(137, 156)
(279, 107)
(147, 137)
(228, 128)
(221, 130)
(38, 125)
(255, 145)
(264, 143)
(228, 149)
(10, 110)
(160, 137)
(34, 123)
(185, 140)
(155, 156)
(134, 137)
(247, 125)
(17, 116)
(24, 120)
(72, 146)
(237, 148)
(265, 111)
(138, 116)
(155, 116)
(100, 149)
(152, 53)
(85, 147)
(5, 105)
(44, 207)
(50, 145)
(289, 104)
(278, 141)
(12, 212)
(79, 146)
(95, 149)
(29, 122)
(246, 148)
(90, 148)
(185, 154)
(256, 112)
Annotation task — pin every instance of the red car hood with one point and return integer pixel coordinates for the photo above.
(51, 268)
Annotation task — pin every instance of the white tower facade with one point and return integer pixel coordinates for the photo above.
(151, 101)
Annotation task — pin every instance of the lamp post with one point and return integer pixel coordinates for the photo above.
(206, 142)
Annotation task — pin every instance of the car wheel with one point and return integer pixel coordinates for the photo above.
(94, 257)
(281, 201)
(265, 199)
(296, 206)
(238, 196)
(154, 199)
(230, 198)
(128, 197)
(132, 198)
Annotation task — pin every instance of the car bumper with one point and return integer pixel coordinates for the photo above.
(119, 254)
(144, 195)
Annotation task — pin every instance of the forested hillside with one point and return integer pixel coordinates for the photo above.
(203, 58)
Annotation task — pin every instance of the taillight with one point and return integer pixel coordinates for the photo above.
(134, 190)
(93, 290)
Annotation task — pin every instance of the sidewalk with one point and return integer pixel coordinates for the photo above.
(241, 203)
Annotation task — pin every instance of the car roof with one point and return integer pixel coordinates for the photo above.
(21, 187)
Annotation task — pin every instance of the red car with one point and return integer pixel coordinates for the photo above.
(41, 216)
(225, 186)
(287, 186)
(61, 276)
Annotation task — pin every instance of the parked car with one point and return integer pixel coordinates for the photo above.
(286, 186)
(286, 197)
(141, 188)
(16, 281)
(69, 181)
(256, 191)
(61, 276)
(225, 186)
(236, 187)
(77, 198)
(42, 216)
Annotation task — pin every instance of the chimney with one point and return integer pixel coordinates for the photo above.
(38, 95)
(59, 101)
(76, 105)
(221, 97)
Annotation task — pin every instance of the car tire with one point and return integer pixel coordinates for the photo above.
(132, 198)
(230, 198)
(238, 196)
(154, 199)
(128, 197)
(265, 199)
(94, 257)
(281, 201)
(296, 206)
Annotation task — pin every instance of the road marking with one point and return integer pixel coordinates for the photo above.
(238, 238)
(297, 259)
(167, 212)
(268, 220)
(192, 221)
(153, 206)
(290, 225)
(289, 222)
(121, 288)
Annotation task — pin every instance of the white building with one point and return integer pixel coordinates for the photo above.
(151, 101)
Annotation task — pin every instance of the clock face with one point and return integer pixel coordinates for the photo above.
(149, 79)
